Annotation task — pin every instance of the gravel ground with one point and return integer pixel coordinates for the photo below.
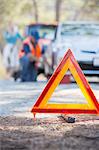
(19, 131)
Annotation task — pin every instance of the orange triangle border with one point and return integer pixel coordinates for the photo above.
(38, 108)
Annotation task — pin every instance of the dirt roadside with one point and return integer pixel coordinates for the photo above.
(17, 133)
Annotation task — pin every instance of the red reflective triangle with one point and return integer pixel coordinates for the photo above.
(68, 62)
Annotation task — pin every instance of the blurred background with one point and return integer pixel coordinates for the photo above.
(75, 18)
(26, 11)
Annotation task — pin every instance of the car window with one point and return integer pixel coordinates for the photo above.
(80, 29)
(45, 31)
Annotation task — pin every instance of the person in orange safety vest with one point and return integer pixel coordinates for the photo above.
(29, 58)
(35, 49)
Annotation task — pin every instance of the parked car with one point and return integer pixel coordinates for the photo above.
(46, 34)
(83, 39)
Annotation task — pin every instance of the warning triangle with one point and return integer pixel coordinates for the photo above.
(68, 62)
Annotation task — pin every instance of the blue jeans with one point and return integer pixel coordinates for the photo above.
(28, 70)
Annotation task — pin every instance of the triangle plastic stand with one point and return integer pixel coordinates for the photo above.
(42, 105)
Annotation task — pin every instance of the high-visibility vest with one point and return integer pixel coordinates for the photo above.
(36, 51)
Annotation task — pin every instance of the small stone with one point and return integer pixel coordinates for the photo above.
(70, 120)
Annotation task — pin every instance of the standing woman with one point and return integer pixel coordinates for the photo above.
(10, 52)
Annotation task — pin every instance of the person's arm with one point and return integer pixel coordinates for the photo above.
(27, 51)
(19, 37)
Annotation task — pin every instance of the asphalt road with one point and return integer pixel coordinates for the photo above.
(18, 98)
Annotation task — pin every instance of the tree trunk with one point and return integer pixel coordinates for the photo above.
(81, 10)
(57, 10)
(35, 10)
